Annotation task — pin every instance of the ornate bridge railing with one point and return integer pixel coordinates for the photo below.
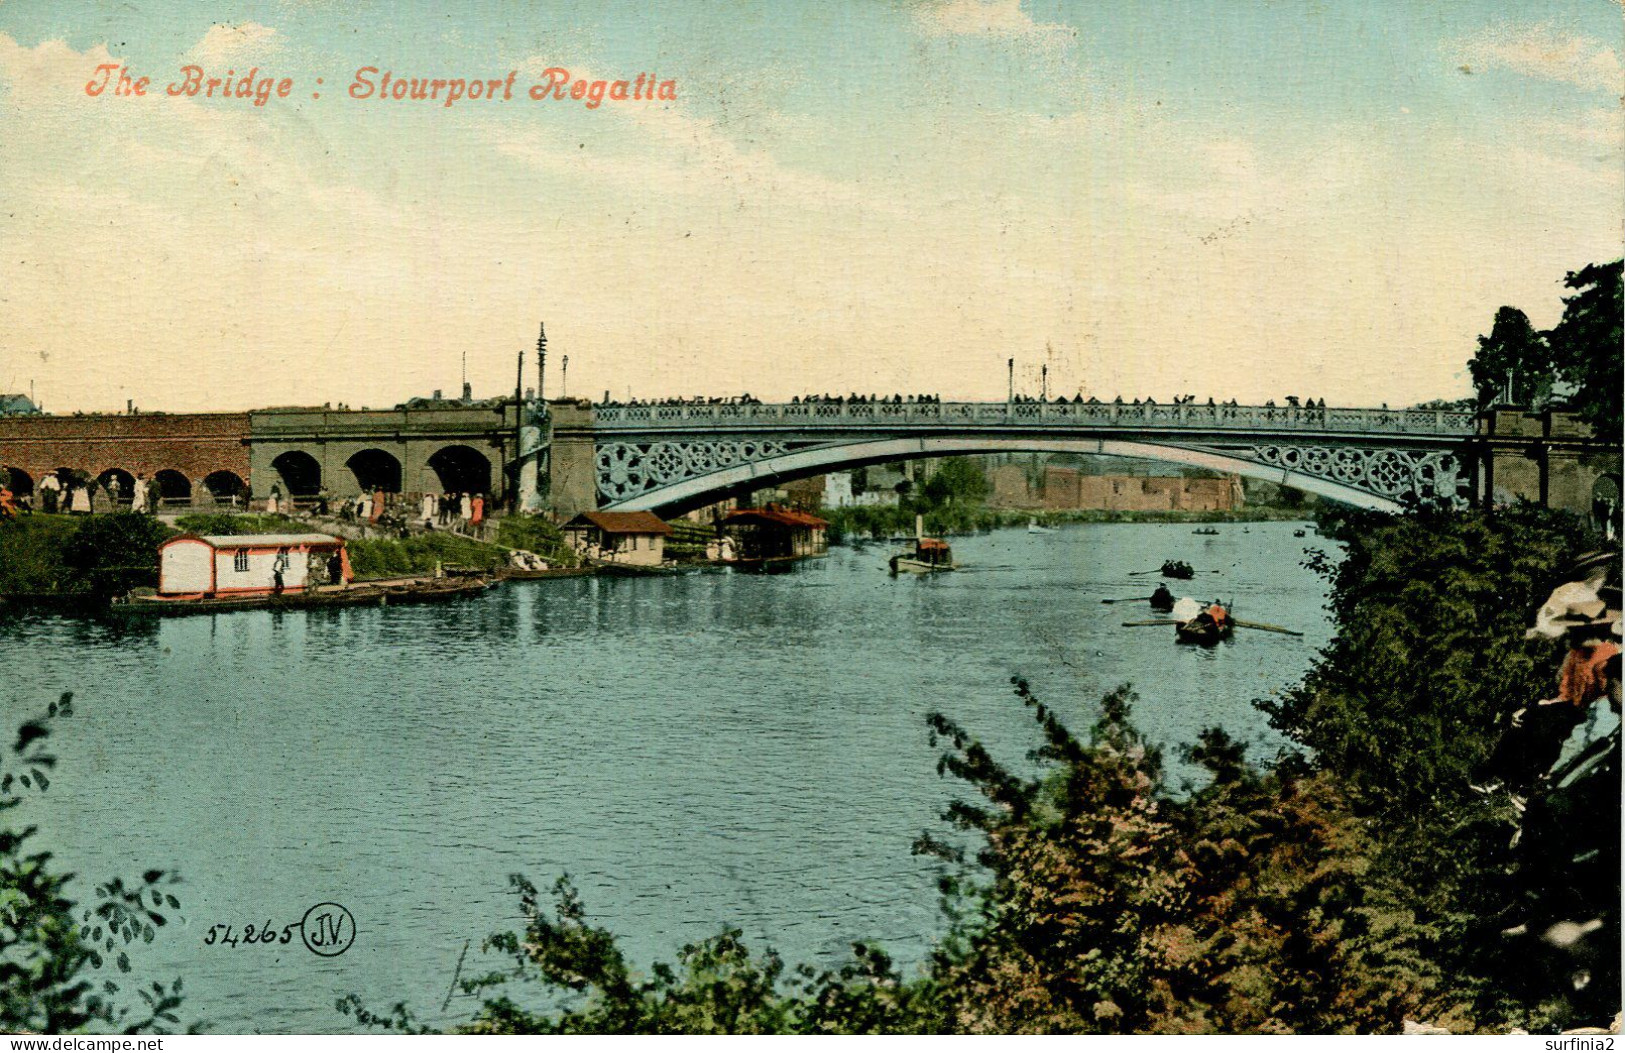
(813, 415)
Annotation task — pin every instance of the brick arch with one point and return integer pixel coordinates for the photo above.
(375, 469)
(194, 444)
(19, 481)
(225, 485)
(174, 487)
(299, 472)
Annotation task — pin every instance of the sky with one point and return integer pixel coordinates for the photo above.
(1239, 199)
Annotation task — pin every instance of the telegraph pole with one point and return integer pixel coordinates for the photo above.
(541, 362)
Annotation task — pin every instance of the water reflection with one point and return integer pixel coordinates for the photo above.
(695, 751)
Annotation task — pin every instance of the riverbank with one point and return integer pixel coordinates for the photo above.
(890, 521)
(74, 561)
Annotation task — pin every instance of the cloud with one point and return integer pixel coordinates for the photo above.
(227, 43)
(49, 73)
(1543, 52)
(990, 18)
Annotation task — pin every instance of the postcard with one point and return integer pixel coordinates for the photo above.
(988, 517)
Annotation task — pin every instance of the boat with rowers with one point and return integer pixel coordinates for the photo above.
(1195, 624)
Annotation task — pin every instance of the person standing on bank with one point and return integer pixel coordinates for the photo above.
(138, 495)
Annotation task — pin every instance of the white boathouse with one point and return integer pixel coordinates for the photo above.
(249, 564)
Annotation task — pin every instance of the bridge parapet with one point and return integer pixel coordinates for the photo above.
(834, 415)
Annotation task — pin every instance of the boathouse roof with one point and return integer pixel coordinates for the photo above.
(789, 517)
(621, 522)
(259, 540)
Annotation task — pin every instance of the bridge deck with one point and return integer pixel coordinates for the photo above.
(835, 416)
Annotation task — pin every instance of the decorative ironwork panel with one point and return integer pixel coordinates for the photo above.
(1390, 473)
(627, 469)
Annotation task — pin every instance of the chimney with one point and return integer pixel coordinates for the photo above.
(468, 391)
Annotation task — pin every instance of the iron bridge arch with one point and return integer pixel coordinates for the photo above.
(674, 477)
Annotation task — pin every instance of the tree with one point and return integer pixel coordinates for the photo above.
(1409, 700)
(112, 554)
(50, 959)
(960, 480)
(1585, 345)
(1513, 357)
(1083, 898)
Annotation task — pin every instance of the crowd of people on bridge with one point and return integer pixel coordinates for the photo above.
(856, 399)
(697, 400)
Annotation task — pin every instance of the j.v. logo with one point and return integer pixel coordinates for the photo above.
(328, 929)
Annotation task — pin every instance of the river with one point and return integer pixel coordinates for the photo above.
(695, 752)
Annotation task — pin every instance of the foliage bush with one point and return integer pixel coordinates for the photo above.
(31, 554)
(57, 958)
(108, 555)
(1410, 709)
(222, 524)
(1086, 898)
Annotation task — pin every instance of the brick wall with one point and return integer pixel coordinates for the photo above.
(1065, 488)
(194, 444)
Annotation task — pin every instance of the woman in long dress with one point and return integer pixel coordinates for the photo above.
(79, 504)
(428, 511)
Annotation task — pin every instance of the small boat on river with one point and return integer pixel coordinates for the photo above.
(1206, 532)
(541, 574)
(1177, 569)
(1162, 600)
(382, 593)
(616, 569)
(1033, 527)
(1205, 626)
(930, 555)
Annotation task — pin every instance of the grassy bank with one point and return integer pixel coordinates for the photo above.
(71, 557)
(419, 554)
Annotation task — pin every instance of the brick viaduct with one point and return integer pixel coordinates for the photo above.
(194, 456)
(203, 459)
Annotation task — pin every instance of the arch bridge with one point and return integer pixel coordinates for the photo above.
(460, 447)
(672, 458)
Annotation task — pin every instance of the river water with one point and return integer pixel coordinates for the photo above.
(695, 752)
